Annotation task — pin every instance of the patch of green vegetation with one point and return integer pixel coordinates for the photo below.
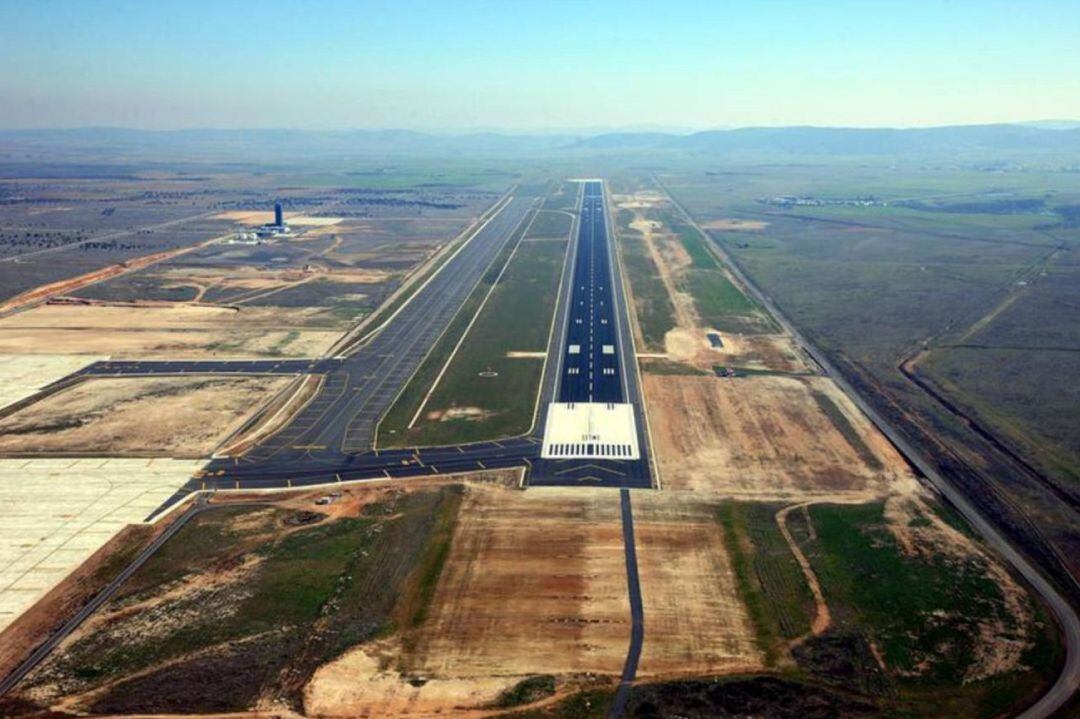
(528, 690)
(652, 305)
(669, 367)
(700, 256)
(550, 224)
(421, 586)
(843, 424)
(517, 317)
(895, 598)
(923, 613)
(721, 304)
(768, 577)
(309, 595)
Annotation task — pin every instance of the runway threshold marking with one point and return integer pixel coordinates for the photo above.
(579, 467)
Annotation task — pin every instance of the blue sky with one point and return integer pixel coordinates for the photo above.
(536, 65)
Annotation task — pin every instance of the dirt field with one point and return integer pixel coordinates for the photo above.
(696, 623)
(766, 437)
(688, 342)
(777, 353)
(167, 332)
(167, 416)
(561, 608)
(244, 283)
(730, 224)
(535, 583)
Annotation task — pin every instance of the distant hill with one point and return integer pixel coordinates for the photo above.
(849, 141)
(285, 144)
(1053, 124)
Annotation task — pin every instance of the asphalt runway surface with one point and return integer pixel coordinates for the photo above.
(637, 610)
(603, 369)
(590, 374)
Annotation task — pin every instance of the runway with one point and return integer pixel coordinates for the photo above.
(591, 373)
(595, 361)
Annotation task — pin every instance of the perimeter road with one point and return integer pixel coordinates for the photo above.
(637, 612)
(1069, 679)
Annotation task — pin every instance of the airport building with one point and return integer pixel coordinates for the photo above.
(277, 227)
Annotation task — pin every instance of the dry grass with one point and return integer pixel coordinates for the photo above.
(254, 218)
(162, 416)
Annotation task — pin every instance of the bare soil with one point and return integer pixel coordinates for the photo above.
(776, 353)
(535, 583)
(730, 224)
(764, 437)
(164, 416)
(365, 683)
(170, 332)
(697, 624)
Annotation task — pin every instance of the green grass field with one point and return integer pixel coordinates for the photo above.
(517, 318)
(652, 305)
(921, 614)
(770, 582)
(550, 224)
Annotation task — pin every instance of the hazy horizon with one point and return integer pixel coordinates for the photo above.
(535, 67)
